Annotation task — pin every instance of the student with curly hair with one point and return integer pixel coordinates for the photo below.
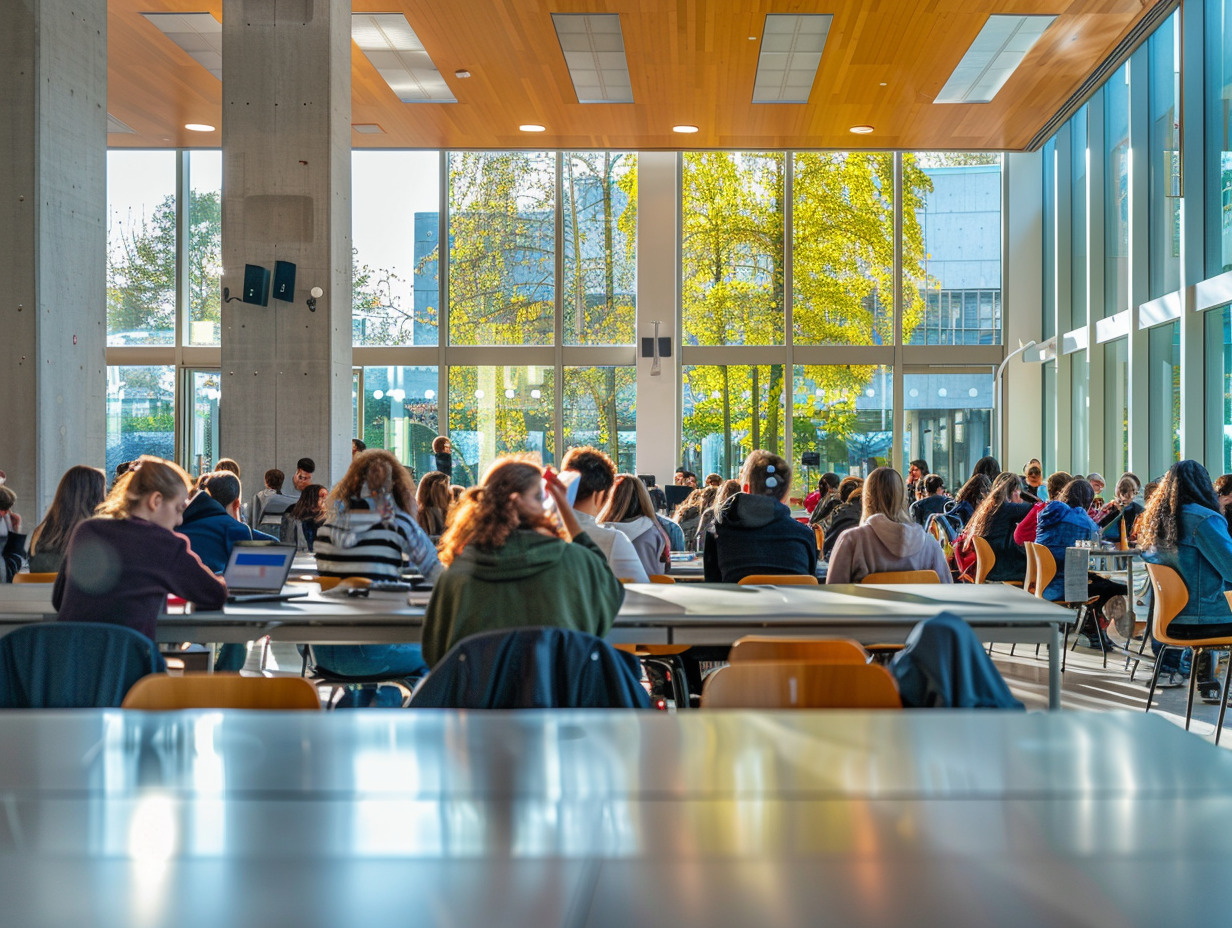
(512, 565)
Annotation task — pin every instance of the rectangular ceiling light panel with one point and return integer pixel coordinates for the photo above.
(115, 127)
(994, 55)
(594, 50)
(791, 47)
(388, 41)
(198, 34)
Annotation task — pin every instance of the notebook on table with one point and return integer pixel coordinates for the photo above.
(258, 573)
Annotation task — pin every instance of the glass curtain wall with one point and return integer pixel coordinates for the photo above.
(140, 405)
(1079, 232)
(949, 422)
(1218, 29)
(141, 247)
(1116, 407)
(845, 414)
(1164, 157)
(1116, 192)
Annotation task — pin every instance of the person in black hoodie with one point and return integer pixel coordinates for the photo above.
(845, 515)
(754, 532)
(933, 501)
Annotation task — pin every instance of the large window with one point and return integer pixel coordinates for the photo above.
(1078, 209)
(1219, 385)
(499, 410)
(203, 251)
(729, 411)
(201, 441)
(959, 218)
(1116, 192)
(141, 247)
(1049, 322)
(1164, 381)
(846, 414)
(502, 248)
(140, 406)
(1219, 136)
(1079, 413)
(1116, 407)
(398, 409)
(601, 410)
(1164, 158)
(395, 210)
(732, 248)
(949, 421)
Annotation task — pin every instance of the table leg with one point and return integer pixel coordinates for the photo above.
(209, 658)
(1054, 669)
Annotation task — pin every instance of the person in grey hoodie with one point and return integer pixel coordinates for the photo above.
(754, 532)
(887, 538)
(630, 512)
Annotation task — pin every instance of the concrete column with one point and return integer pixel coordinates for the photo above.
(658, 285)
(286, 143)
(53, 240)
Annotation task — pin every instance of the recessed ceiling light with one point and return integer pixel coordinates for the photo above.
(594, 50)
(198, 127)
(391, 45)
(461, 73)
(531, 127)
(861, 130)
(996, 52)
(791, 47)
(199, 35)
(883, 83)
(684, 129)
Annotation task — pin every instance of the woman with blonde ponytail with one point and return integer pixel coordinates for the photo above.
(121, 565)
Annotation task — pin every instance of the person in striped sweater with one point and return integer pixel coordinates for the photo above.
(370, 531)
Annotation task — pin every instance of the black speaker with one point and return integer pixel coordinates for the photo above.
(284, 281)
(810, 459)
(256, 284)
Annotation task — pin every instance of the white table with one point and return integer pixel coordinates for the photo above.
(590, 818)
(694, 614)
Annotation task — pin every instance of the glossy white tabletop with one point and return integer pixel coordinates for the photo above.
(604, 818)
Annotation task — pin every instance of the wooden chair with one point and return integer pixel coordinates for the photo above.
(661, 578)
(902, 576)
(820, 534)
(779, 580)
(159, 692)
(809, 650)
(796, 685)
(1171, 595)
(985, 559)
(1042, 567)
(34, 578)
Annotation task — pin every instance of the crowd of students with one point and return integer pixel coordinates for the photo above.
(527, 546)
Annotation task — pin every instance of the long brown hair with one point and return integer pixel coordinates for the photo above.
(1002, 489)
(379, 471)
(729, 488)
(308, 506)
(78, 494)
(488, 514)
(885, 493)
(146, 475)
(434, 500)
(1185, 482)
(974, 491)
(629, 500)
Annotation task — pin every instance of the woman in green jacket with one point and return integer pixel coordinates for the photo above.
(511, 566)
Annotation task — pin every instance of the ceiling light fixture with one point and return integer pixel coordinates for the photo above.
(861, 130)
(686, 130)
(791, 47)
(388, 41)
(199, 35)
(594, 50)
(531, 127)
(115, 126)
(198, 127)
(996, 52)
(462, 73)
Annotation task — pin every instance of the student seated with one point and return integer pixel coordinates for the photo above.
(14, 539)
(596, 477)
(887, 537)
(369, 531)
(933, 502)
(846, 514)
(1026, 528)
(689, 517)
(827, 497)
(120, 567)
(1123, 510)
(80, 492)
(995, 521)
(511, 565)
(754, 532)
(1060, 523)
(301, 521)
(969, 497)
(706, 525)
(1184, 528)
(629, 512)
(212, 521)
(269, 503)
(434, 501)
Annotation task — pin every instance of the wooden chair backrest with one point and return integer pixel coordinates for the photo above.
(985, 559)
(772, 648)
(903, 576)
(1045, 566)
(34, 578)
(159, 692)
(820, 534)
(780, 580)
(1171, 595)
(661, 578)
(1028, 580)
(796, 685)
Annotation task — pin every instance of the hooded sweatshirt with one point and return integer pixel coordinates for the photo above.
(648, 541)
(1057, 527)
(213, 532)
(757, 535)
(883, 544)
(530, 580)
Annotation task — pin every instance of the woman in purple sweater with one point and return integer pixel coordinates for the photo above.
(120, 566)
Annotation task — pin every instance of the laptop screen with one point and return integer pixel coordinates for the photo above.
(262, 569)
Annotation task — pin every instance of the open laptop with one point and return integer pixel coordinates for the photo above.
(258, 573)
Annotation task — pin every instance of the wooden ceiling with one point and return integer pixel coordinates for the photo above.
(691, 62)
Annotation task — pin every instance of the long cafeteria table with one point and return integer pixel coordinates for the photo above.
(694, 614)
(555, 818)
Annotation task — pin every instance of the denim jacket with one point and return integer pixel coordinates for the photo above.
(1203, 558)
